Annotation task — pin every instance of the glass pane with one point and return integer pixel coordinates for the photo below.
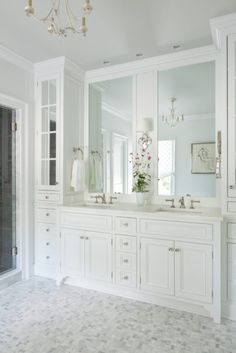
(52, 117)
(52, 172)
(44, 119)
(52, 92)
(7, 190)
(45, 146)
(52, 145)
(44, 172)
(44, 92)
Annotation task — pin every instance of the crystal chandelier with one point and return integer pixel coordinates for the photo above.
(172, 119)
(60, 19)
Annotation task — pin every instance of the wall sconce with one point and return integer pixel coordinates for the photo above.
(145, 126)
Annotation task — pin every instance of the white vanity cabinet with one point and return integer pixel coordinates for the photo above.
(86, 254)
(164, 261)
(59, 96)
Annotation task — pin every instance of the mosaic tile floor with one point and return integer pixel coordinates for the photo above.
(38, 317)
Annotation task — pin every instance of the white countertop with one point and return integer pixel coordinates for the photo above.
(160, 212)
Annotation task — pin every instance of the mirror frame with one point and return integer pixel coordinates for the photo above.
(156, 64)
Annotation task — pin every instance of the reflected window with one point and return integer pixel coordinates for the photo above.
(166, 150)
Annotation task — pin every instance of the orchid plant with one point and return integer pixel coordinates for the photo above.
(141, 171)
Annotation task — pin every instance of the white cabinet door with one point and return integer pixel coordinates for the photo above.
(232, 116)
(98, 256)
(157, 266)
(72, 252)
(232, 272)
(193, 271)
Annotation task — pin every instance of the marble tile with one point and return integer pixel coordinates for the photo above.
(38, 317)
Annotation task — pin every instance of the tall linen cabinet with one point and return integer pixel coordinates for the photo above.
(59, 107)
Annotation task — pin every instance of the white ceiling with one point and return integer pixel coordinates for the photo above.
(118, 29)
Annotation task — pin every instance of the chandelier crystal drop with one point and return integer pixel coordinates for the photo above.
(172, 118)
(60, 19)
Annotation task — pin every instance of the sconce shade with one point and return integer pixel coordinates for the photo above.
(145, 125)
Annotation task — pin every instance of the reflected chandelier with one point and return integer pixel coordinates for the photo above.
(172, 118)
(60, 19)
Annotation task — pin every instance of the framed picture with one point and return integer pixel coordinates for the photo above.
(203, 158)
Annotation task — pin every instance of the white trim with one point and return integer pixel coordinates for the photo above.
(23, 192)
(15, 59)
(185, 57)
(220, 26)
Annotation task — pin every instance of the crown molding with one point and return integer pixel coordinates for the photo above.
(206, 53)
(222, 25)
(15, 59)
(110, 109)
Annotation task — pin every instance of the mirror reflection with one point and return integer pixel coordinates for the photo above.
(110, 136)
(186, 141)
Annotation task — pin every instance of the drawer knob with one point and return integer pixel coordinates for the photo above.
(48, 230)
(47, 257)
(48, 243)
(126, 278)
(47, 214)
(125, 224)
(126, 261)
(171, 249)
(177, 250)
(126, 243)
(46, 197)
(81, 237)
(86, 238)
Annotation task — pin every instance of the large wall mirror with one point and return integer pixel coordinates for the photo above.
(186, 133)
(110, 135)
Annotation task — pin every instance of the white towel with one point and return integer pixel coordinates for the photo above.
(77, 176)
(96, 174)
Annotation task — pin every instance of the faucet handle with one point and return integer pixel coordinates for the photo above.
(95, 197)
(172, 202)
(182, 202)
(192, 204)
(111, 199)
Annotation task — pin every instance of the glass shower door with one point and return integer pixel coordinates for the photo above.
(8, 250)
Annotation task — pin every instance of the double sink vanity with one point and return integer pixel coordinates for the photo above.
(162, 255)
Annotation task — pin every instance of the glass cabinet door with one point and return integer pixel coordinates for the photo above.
(232, 116)
(48, 133)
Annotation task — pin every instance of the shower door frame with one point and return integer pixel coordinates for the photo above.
(22, 190)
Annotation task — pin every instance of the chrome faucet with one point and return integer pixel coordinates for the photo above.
(103, 198)
(182, 202)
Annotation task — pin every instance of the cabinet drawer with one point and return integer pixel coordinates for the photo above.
(126, 243)
(45, 229)
(48, 197)
(125, 225)
(46, 215)
(46, 255)
(232, 207)
(126, 261)
(177, 230)
(231, 230)
(126, 278)
(86, 221)
(47, 242)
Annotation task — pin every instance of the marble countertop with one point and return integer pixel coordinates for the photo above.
(150, 211)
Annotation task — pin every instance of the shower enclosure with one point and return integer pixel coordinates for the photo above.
(8, 250)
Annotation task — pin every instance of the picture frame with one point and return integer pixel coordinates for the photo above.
(203, 158)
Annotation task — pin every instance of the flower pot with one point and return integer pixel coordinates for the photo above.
(141, 198)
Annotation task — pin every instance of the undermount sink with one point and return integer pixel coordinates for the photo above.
(179, 210)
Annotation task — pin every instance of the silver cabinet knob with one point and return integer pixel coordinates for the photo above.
(231, 187)
(86, 238)
(125, 224)
(126, 243)
(81, 237)
(126, 261)
(47, 257)
(177, 250)
(171, 249)
(48, 243)
(126, 278)
(47, 214)
(48, 230)
(46, 197)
